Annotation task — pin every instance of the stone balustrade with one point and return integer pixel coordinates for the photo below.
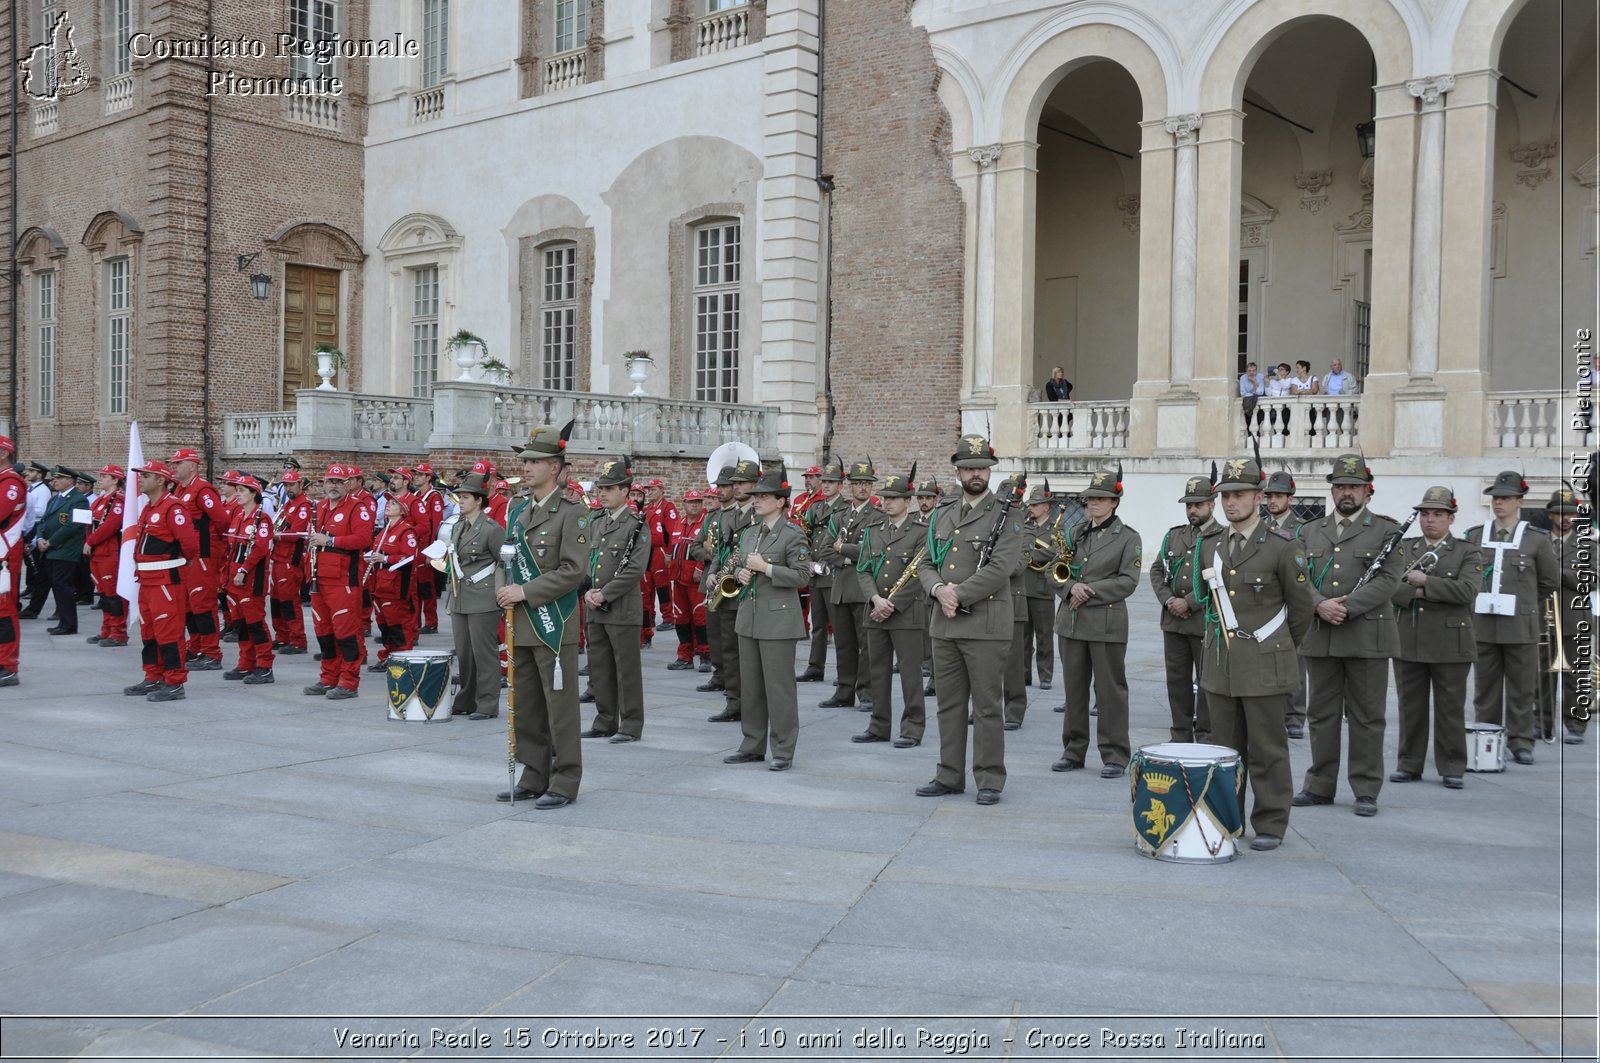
(427, 105)
(1302, 424)
(246, 435)
(1083, 427)
(722, 30)
(565, 71)
(1536, 420)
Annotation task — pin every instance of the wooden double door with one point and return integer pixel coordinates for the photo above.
(310, 317)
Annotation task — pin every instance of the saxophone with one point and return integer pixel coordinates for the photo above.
(1061, 568)
(726, 585)
(909, 574)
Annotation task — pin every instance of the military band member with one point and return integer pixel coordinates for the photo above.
(895, 625)
(1043, 523)
(1440, 579)
(1575, 560)
(473, 569)
(165, 546)
(774, 563)
(974, 543)
(621, 544)
(812, 478)
(292, 525)
(733, 519)
(1257, 607)
(103, 544)
(58, 540)
(840, 549)
(551, 538)
(1014, 686)
(1279, 497)
(1092, 623)
(391, 573)
(1519, 573)
(830, 483)
(13, 513)
(928, 495)
(710, 549)
(1351, 638)
(1175, 578)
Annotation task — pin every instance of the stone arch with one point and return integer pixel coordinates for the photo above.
(1065, 42)
(291, 238)
(1478, 30)
(418, 230)
(1239, 38)
(40, 241)
(111, 225)
(961, 92)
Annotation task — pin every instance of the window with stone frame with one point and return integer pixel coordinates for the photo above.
(118, 330)
(561, 45)
(716, 310)
(45, 341)
(706, 27)
(558, 317)
(119, 29)
(424, 330)
(311, 23)
(435, 42)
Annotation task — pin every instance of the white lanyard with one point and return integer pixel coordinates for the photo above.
(1500, 552)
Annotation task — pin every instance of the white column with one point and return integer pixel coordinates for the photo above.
(1183, 127)
(985, 156)
(1426, 227)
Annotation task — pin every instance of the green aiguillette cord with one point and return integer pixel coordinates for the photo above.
(938, 548)
(867, 562)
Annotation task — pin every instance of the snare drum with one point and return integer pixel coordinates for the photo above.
(1486, 747)
(419, 685)
(1187, 804)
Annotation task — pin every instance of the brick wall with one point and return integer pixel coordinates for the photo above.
(897, 230)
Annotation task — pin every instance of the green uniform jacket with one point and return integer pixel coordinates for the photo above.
(1037, 584)
(1268, 575)
(476, 545)
(618, 583)
(1435, 620)
(1335, 566)
(558, 535)
(852, 525)
(1575, 559)
(896, 547)
(771, 604)
(1174, 575)
(817, 517)
(1290, 523)
(729, 522)
(1531, 574)
(986, 591)
(1108, 559)
(57, 528)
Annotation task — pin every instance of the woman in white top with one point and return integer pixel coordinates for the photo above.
(1303, 383)
(1278, 385)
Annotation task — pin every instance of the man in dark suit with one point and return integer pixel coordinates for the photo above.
(59, 541)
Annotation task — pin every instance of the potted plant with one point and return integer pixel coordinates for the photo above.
(495, 370)
(468, 350)
(639, 363)
(330, 360)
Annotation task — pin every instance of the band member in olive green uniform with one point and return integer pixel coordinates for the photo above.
(1351, 639)
(1257, 607)
(1092, 623)
(731, 520)
(619, 556)
(1519, 573)
(1043, 523)
(551, 537)
(707, 548)
(816, 517)
(1279, 497)
(775, 562)
(895, 625)
(840, 549)
(1014, 687)
(1440, 579)
(475, 574)
(1175, 577)
(1575, 559)
(928, 495)
(974, 542)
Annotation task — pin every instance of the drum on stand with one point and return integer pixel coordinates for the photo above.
(1486, 747)
(1187, 805)
(419, 685)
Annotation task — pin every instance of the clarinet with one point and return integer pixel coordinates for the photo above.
(1000, 522)
(1388, 548)
(627, 553)
(311, 548)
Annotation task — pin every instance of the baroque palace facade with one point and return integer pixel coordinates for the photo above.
(858, 227)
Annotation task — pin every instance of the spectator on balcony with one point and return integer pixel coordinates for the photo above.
(1058, 388)
(1303, 382)
(1251, 388)
(1338, 382)
(1278, 385)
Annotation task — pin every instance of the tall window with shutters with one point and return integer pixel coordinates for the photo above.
(558, 318)
(424, 330)
(716, 312)
(118, 332)
(45, 330)
(435, 41)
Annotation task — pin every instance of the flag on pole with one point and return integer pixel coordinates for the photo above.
(132, 510)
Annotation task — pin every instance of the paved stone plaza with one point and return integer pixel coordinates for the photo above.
(253, 852)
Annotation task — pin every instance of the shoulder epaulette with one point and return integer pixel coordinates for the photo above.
(1391, 520)
(1284, 534)
(1536, 528)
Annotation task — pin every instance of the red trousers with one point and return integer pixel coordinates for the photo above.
(202, 581)
(336, 619)
(9, 632)
(288, 625)
(163, 610)
(250, 621)
(428, 596)
(114, 617)
(689, 606)
(397, 624)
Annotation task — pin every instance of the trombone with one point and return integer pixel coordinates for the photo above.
(1552, 634)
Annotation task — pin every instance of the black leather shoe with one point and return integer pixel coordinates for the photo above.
(93, 640)
(1401, 775)
(808, 677)
(233, 674)
(1012, 725)
(1306, 797)
(743, 758)
(928, 690)
(906, 743)
(428, 631)
(780, 764)
(592, 733)
(835, 703)
(1294, 730)
(619, 738)
(1366, 806)
(1065, 764)
(868, 736)
(583, 671)
(1027, 682)
(1573, 738)
(289, 651)
(166, 693)
(259, 677)
(1045, 685)
(705, 666)
(316, 690)
(865, 703)
(28, 616)
(681, 666)
(1265, 842)
(1452, 782)
(724, 717)
(549, 801)
(586, 698)
(1522, 756)
(139, 690)
(59, 630)
(1093, 711)
(376, 666)
(708, 688)
(1112, 771)
(8, 678)
(479, 715)
(231, 636)
(522, 795)
(936, 789)
(988, 797)
(1061, 708)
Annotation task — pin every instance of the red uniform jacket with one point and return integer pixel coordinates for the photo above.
(496, 508)
(164, 535)
(391, 577)
(249, 551)
(294, 520)
(104, 541)
(683, 568)
(204, 506)
(350, 524)
(13, 507)
(427, 513)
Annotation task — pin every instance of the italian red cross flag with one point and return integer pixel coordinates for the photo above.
(132, 508)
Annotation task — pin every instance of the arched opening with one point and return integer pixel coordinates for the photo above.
(1086, 270)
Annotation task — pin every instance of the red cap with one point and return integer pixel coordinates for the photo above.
(7, 446)
(656, 483)
(595, 504)
(113, 471)
(353, 471)
(691, 495)
(290, 476)
(159, 469)
(813, 471)
(244, 479)
(337, 472)
(422, 468)
(483, 467)
(184, 454)
(404, 498)
(501, 485)
(401, 470)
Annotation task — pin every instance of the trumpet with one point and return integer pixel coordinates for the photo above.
(1424, 564)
